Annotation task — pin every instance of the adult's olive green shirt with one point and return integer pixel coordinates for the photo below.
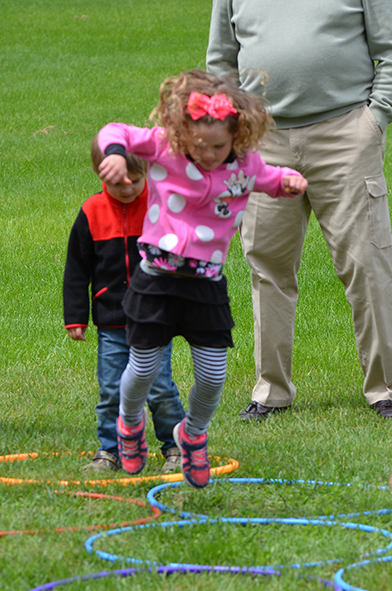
(320, 55)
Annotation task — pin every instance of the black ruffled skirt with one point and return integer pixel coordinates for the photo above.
(161, 307)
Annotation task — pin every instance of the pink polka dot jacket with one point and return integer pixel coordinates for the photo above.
(192, 213)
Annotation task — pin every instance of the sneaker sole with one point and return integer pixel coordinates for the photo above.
(176, 438)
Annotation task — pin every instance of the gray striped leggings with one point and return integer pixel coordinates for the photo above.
(209, 365)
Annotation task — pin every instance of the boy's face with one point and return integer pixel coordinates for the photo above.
(124, 192)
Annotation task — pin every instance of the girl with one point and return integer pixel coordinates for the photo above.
(202, 167)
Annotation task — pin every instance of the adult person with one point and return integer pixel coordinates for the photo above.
(329, 68)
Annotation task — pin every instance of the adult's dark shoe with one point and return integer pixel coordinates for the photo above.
(384, 408)
(258, 412)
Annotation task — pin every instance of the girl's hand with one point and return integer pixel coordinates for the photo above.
(294, 185)
(77, 333)
(114, 169)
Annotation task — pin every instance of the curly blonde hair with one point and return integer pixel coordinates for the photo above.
(248, 126)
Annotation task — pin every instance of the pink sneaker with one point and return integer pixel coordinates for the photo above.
(195, 464)
(132, 446)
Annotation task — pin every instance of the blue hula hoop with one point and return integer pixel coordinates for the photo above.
(339, 582)
(346, 586)
(192, 518)
(156, 489)
(235, 521)
(168, 570)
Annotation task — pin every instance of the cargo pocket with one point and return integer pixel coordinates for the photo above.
(380, 222)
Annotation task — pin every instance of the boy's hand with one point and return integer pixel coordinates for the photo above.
(77, 333)
(294, 185)
(114, 169)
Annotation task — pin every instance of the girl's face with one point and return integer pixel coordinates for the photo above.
(209, 145)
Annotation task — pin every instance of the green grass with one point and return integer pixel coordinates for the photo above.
(67, 69)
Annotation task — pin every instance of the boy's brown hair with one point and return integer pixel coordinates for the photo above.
(135, 164)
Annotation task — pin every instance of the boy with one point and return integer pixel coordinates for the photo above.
(102, 251)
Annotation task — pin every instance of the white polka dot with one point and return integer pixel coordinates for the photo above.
(176, 203)
(232, 165)
(158, 172)
(238, 219)
(153, 213)
(217, 257)
(168, 242)
(204, 233)
(251, 183)
(192, 172)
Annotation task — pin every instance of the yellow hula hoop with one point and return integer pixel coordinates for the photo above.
(230, 466)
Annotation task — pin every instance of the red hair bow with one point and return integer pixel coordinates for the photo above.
(217, 106)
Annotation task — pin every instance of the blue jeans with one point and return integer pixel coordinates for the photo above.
(163, 400)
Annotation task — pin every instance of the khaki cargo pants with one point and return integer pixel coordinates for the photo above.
(342, 159)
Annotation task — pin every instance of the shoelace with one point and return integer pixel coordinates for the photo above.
(199, 457)
(130, 447)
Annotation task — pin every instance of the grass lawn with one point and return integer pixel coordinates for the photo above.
(67, 69)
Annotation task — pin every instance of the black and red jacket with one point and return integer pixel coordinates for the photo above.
(102, 252)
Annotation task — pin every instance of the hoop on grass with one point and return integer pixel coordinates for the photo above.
(155, 514)
(230, 466)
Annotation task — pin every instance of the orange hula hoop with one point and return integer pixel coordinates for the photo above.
(230, 466)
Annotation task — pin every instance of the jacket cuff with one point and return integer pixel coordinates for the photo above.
(115, 149)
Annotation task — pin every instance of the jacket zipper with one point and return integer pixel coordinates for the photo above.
(126, 244)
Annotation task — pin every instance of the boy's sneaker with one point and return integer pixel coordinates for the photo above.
(132, 446)
(173, 461)
(195, 464)
(103, 460)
